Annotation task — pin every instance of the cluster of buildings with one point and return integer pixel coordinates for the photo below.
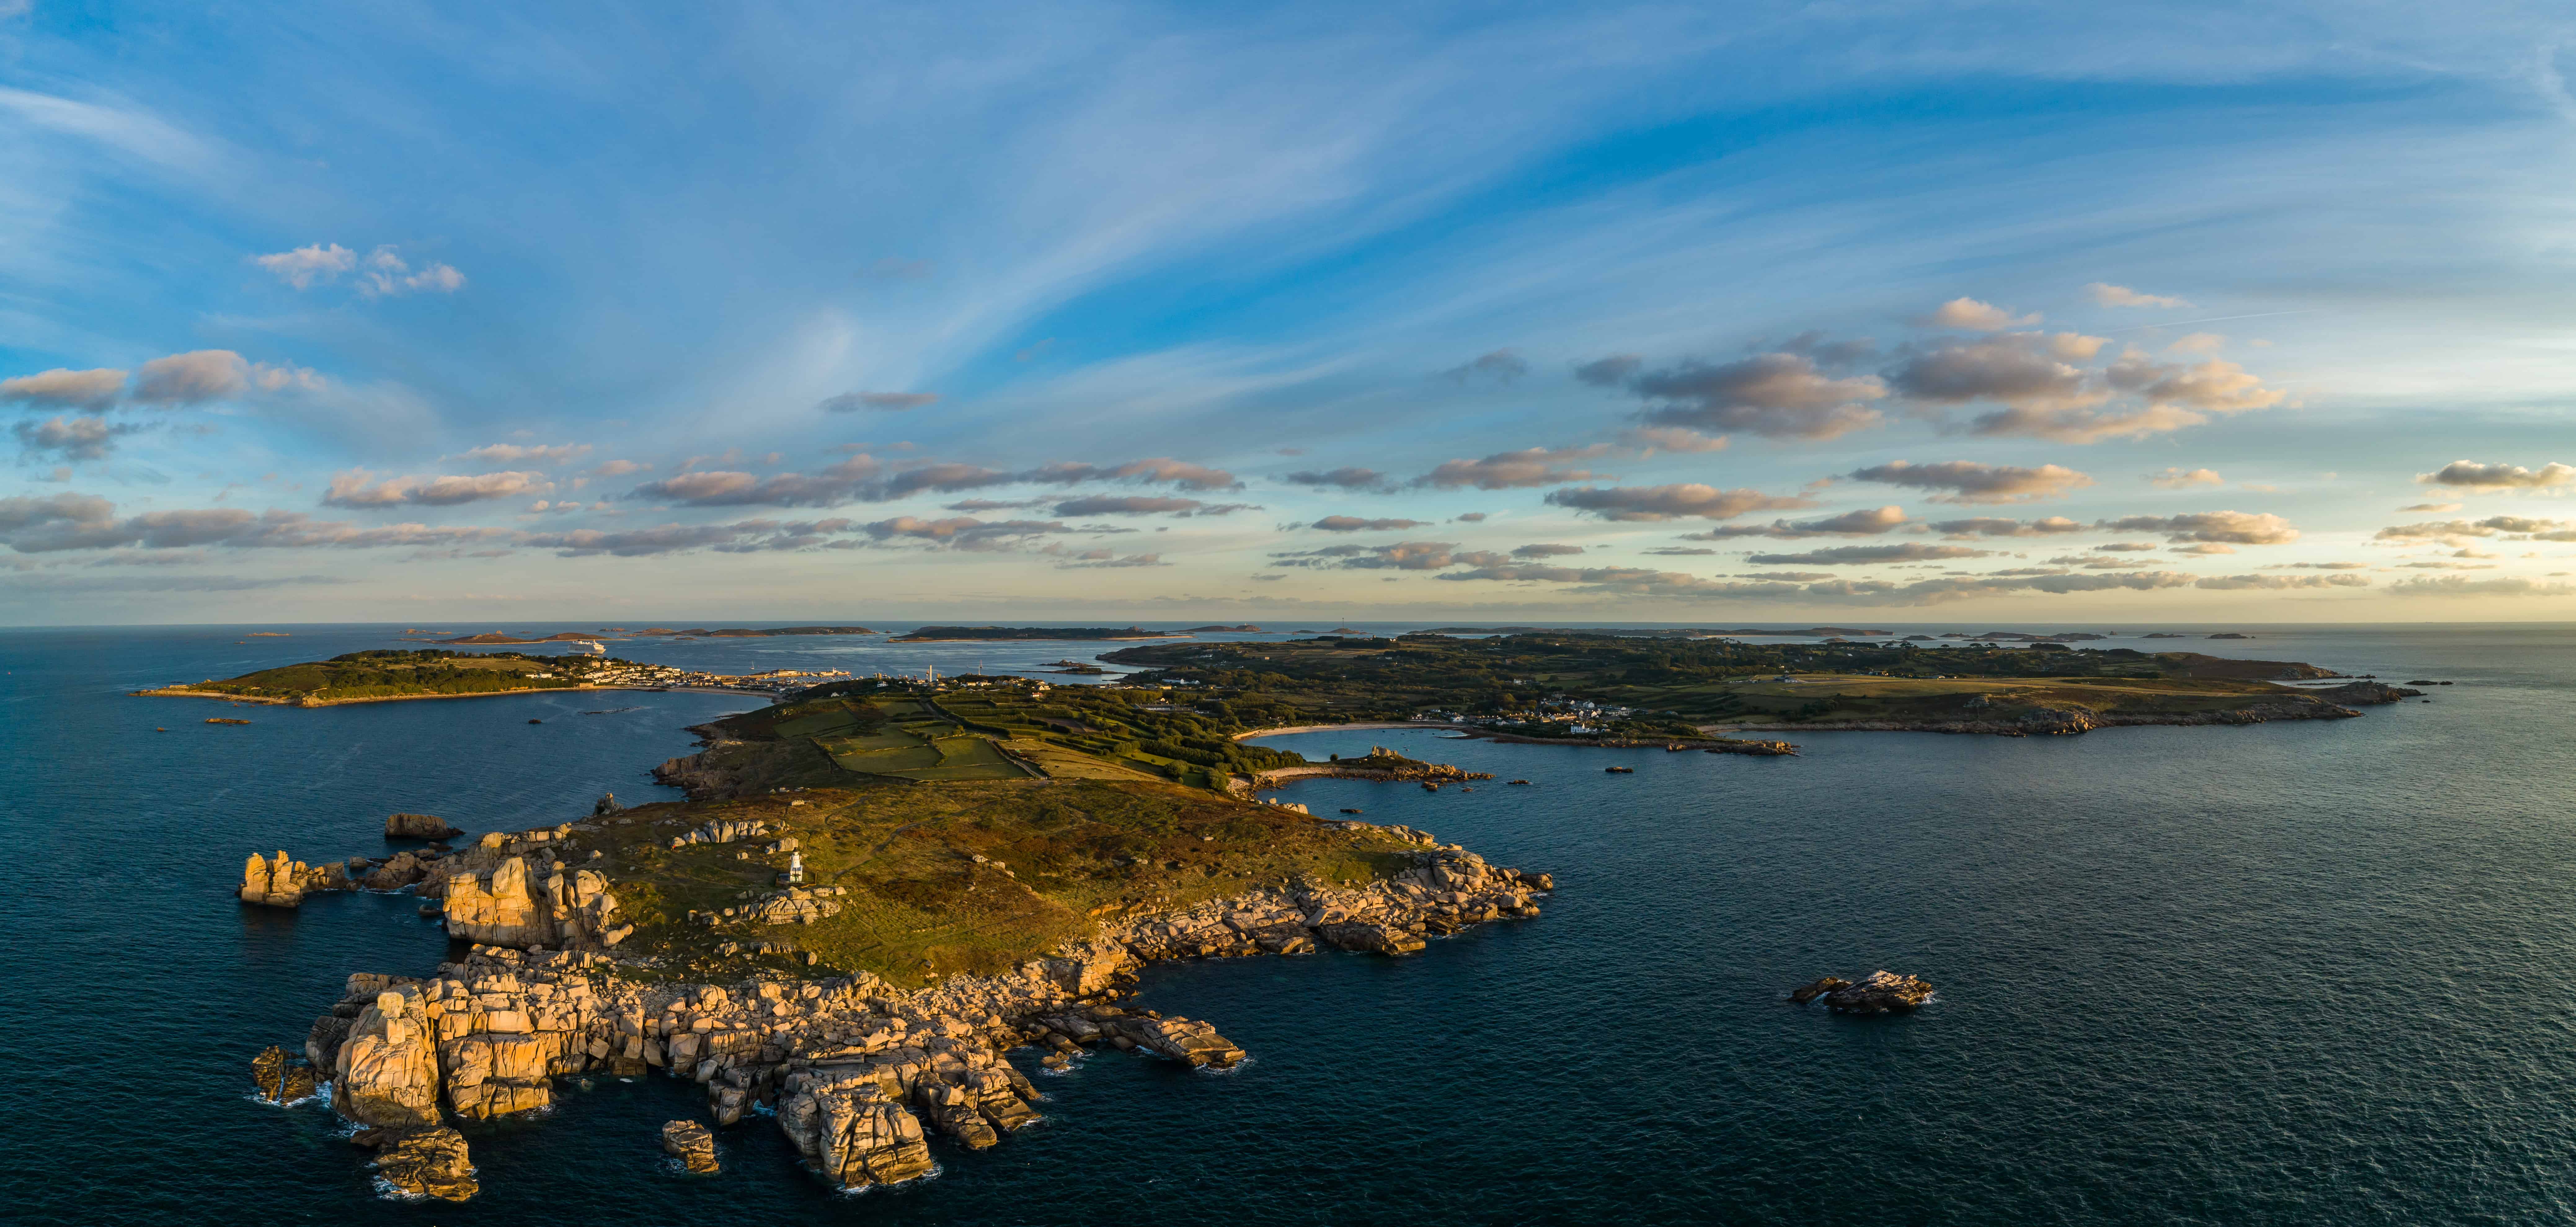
(1580, 717)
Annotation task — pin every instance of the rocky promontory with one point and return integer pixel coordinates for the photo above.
(858, 1073)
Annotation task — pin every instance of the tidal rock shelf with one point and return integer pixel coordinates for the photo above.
(858, 1074)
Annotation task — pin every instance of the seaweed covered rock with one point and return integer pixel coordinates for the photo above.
(694, 1144)
(423, 1162)
(419, 826)
(1880, 992)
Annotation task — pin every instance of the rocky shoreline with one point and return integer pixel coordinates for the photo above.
(857, 1073)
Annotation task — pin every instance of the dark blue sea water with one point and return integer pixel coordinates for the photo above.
(2299, 973)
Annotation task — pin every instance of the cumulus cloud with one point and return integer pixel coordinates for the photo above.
(1104, 558)
(963, 532)
(2436, 508)
(1978, 316)
(2233, 582)
(2046, 392)
(2109, 295)
(1649, 440)
(1775, 395)
(2449, 530)
(192, 378)
(633, 542)
(87, 391)
(1637, 582)
(1610, 372)
(557, 453)
(1501, 366)
(303, 266)
(1685, 501)
(1866, 523)
(1469, 517)
(388, 274)
(861, 478)
(1144, 505)
(2184, 479)
(2025, 370)
(1342, 479)
(2471, 475)
(60, 522)
(1533, 466)
(1968, 482)
(1990, 526)
(2223, 527)
(893, 402)
(2461, 585)
(1682, 551)
(1354, 524)
(1841, 555)
(1401, 556)
(2201, 547)
(359, 488)
(1545, 550)
(70, 438)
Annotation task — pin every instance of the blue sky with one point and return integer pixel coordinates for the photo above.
(1746, 313)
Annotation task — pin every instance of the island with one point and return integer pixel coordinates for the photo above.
(429, 673)
(1625, 690)
(951, 634)
(738, 632)
(882, 908)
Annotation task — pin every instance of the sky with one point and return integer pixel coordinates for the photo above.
(1738, 314)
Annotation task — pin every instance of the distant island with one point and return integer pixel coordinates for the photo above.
(1246, 629)
(951, 634)
(1606, 688)
(430, 673)
(698, 633)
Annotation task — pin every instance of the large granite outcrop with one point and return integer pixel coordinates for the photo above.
(571, 910)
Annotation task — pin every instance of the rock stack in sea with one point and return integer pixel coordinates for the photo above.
(692, 1143)
(281, 881)
(422, 1162)
(419, 826)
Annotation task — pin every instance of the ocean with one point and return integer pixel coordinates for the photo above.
(2310, 972)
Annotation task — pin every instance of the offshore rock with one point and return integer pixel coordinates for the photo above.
(1186, 1040)
(1809, 992)
(419, 826)
(853, 1134)
(282, 882)
(692, 1143)
(1880, 992)
(424, 1162)
(278, 1078)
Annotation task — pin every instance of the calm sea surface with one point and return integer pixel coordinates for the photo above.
(2298, 973)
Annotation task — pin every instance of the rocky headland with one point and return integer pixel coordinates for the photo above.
(858, 1073)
